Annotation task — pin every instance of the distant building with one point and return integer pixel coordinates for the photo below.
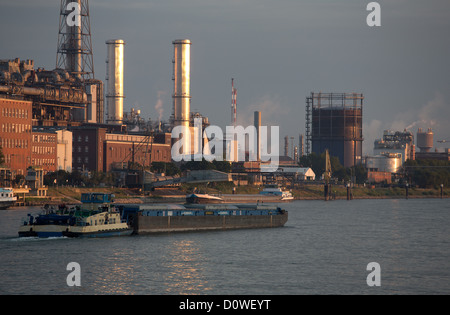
(15, 134)
(300, 173)
(64, 150)
(396, 142)
(441, 156)
(374, 177)
(43, 153)
(98, 149)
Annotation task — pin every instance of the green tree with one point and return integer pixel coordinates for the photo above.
(170, 169)
(317, 164)
(428, 173)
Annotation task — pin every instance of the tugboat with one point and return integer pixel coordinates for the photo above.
(7, 198)
(96, 217)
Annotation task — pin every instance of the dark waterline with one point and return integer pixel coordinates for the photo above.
(324, 249)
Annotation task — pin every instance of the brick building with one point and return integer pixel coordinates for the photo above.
(44, 152)
(97, 149)
(15, 134)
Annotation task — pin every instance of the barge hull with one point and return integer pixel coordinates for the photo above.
(164, 224)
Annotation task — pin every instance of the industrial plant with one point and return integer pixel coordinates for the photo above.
(67, 119)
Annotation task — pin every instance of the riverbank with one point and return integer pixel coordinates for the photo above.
(72, 195)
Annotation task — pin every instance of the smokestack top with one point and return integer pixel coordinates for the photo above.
(115, 41)
(182, 41)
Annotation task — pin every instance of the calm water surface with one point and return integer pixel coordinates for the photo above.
(324, 249)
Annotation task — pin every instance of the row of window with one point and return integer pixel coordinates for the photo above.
(43, 162)
(43, 150)
(19, 128)
(14, 143)
(79, 149)
(15, 113)
(44, 138)
(80, 139)
(80, 160)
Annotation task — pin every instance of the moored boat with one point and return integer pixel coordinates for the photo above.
(7, 198)
(277, 190)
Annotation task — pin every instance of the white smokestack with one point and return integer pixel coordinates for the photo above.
(114, 77)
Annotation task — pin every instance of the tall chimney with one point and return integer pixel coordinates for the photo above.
(258, 135)
(114, 76)
(286, 146)
(182, 85)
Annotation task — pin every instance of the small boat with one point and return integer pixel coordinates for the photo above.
(7, 198)
(276, 190)
(202, 199)
(96, 217)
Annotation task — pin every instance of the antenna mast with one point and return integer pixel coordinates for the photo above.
(233, 103)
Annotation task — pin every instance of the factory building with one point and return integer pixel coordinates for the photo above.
(425, 142)
(15, 134)
(334, 122)
(44, 149)
(398, 142)
(100, 149)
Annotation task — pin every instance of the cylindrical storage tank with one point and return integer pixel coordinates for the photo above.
(182, 86)
(425, 140)
(390, 163)
(336, 125)
(114, 77)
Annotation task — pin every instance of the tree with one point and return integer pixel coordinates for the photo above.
(317, 164)
(170, 169)
(428, 173)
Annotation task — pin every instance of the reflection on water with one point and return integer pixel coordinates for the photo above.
(324, 249)
(116, 274)
(185, 269)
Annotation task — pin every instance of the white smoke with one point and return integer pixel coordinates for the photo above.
(159, 105)
(434, 114)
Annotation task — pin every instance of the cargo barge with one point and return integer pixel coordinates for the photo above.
(159, 218)
(99, 217)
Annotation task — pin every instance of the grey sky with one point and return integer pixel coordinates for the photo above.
(278, 51)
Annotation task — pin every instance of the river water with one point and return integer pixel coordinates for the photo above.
(324, 249)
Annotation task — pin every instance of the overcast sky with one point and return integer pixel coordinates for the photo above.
(278, 51)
